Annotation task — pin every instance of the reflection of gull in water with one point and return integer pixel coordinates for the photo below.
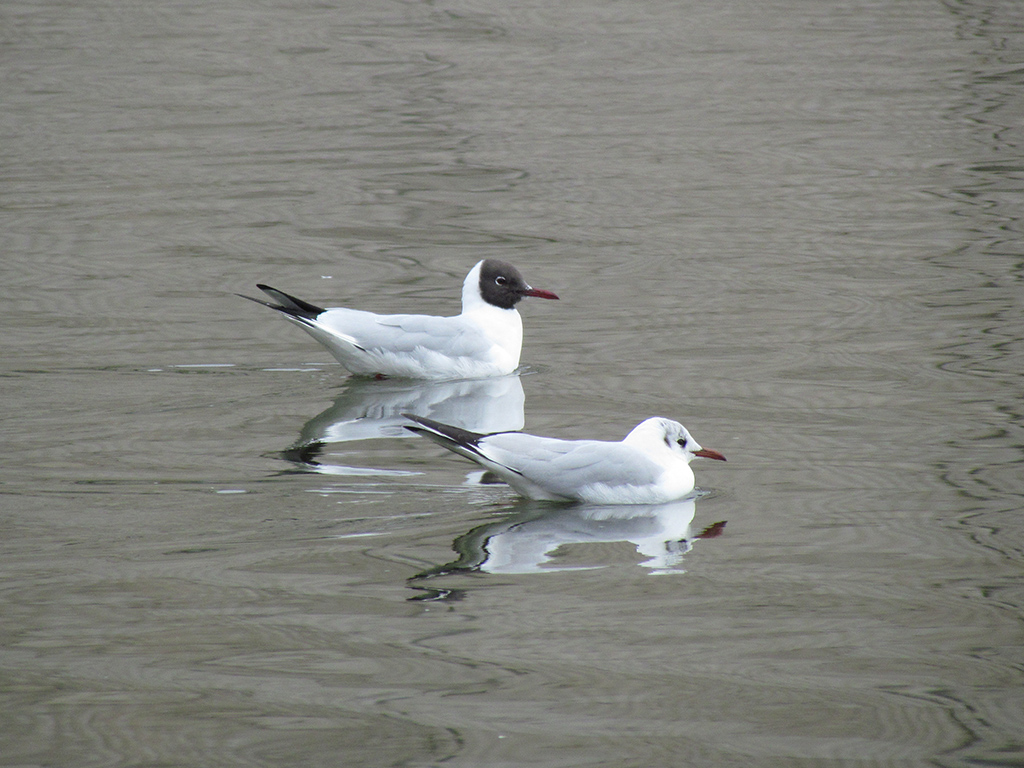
(368, 409)
(527, 542)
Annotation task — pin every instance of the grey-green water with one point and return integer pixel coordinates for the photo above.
(795, 227)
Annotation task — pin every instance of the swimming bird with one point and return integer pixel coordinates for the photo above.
(485, 340)
(650, 465)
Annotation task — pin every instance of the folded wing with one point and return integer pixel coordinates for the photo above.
(569, 468)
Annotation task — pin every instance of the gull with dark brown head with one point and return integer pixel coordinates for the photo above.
(484, 340)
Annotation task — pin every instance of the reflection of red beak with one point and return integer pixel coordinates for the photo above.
(707, 453)
(712, 531)
(539, 293)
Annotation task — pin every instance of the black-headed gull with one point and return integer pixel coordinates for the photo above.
(651, 465)
(485, 340)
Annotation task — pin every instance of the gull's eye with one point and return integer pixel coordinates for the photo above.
(682, 442)
(500, 280)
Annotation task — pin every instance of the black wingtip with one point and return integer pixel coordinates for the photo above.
(286, 303)
(455, 439)
(429, 426)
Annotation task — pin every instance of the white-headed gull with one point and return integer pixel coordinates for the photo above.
(651, 465)
(485, 340)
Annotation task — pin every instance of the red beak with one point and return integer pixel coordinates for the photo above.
(707, 453)
(539, 293)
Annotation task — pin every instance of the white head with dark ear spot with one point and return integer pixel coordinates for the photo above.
(500, 284)
(669, 434)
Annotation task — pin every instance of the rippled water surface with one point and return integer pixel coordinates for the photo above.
(796, 227)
